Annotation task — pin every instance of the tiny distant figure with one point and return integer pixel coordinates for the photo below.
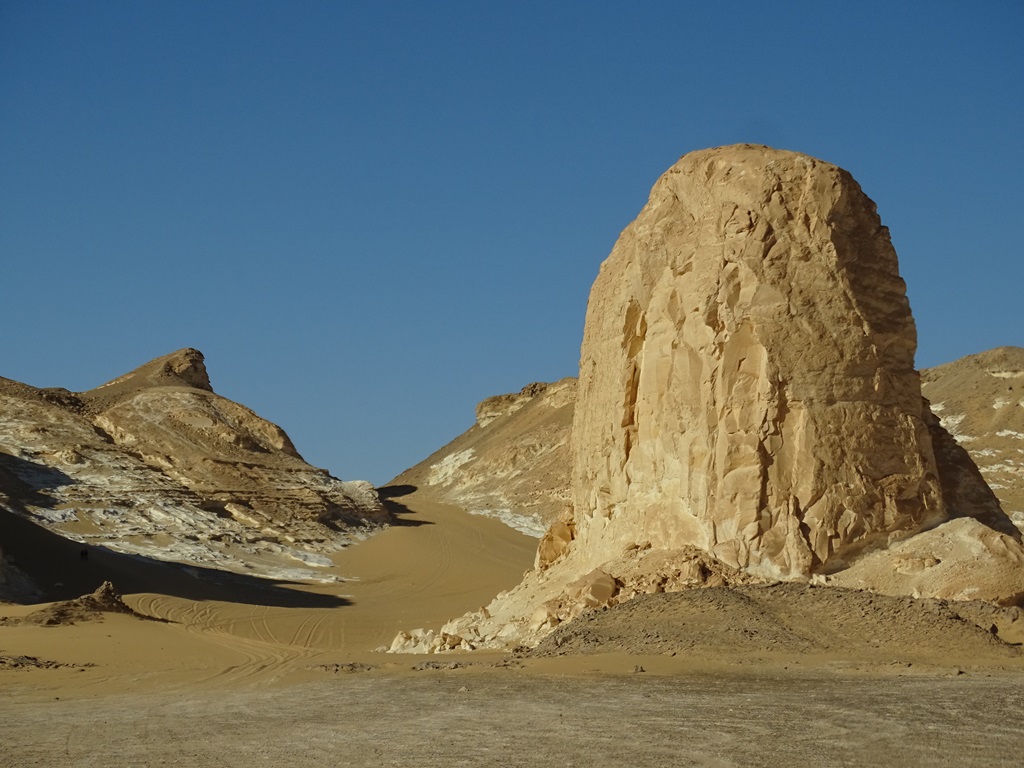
(84, 555)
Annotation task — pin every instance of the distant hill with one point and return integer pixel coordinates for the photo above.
(512, 464)
(980, 401)
(156, 464)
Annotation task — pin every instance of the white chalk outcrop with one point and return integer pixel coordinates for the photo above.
(155, 463)
(980, 400)
(513, 464)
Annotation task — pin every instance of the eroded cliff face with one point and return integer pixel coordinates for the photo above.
(167, 414)
(747, 381)
(980, 401)
(519, 470)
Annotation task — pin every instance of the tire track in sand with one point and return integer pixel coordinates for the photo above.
(250, 636)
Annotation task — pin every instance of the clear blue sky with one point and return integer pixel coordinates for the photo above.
(369, 216)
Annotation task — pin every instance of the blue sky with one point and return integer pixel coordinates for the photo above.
(370, 216)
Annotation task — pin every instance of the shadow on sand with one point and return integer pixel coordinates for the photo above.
(65, 569)
(399, 512)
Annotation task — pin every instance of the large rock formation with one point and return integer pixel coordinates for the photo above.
(155, 463)
(748, 407)
(512, 464)
(167, 414)
(747, 379)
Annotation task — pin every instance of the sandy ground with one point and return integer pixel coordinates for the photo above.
(437, 562)
(287, 675)
(514, 720)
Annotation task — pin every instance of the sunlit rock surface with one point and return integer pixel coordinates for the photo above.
(748, 408)
(513, 464)
(747, 381)
(155, 463)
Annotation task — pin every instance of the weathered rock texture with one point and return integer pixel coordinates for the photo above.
(748, 407)
(962, 559)
(519, 470)
(155, 463)
(977, 554)
(512, 464)
(167, 414)
(980, 402)
(747, 379)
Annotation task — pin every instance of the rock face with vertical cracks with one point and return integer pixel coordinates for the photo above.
(747, 381)
(748, 410)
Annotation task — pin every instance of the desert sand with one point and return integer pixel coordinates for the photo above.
(290, 674)
(434, 562)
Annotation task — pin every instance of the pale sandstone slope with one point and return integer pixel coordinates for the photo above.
(155, 463)
(980, 401)
(747, 403)
(512, 464)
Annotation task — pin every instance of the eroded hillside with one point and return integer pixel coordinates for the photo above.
(155, 463)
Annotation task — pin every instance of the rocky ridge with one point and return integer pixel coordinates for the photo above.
(980, 401)
(154, 463)
(747, 392)
(512, 464)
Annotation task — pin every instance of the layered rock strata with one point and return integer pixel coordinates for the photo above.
(155, 463)
(747, 379)
(980, 401)
(513, 464)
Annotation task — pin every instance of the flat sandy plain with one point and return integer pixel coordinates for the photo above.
(289, 676)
